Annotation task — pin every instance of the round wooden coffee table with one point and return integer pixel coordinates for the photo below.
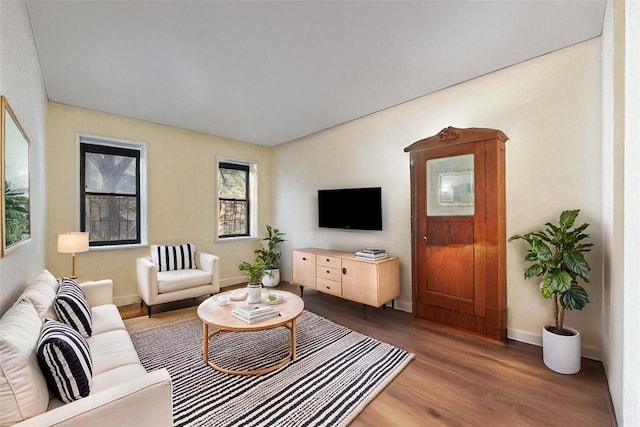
(220, 319)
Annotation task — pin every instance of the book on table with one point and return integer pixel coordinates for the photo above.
(255, 318)
(373, 251)
(253, 310)
(370, 256)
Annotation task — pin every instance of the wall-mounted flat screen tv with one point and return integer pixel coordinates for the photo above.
(350, 208)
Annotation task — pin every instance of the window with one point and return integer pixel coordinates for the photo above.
(110, 191)
(235, 205)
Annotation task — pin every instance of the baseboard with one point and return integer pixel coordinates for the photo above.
(402, 306)
(535, 339)
(230, 281)
(126, 300)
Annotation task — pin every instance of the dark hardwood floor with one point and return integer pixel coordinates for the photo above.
(458, 379)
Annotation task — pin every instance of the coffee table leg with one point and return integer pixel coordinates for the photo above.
(205, 342)
(293, 340)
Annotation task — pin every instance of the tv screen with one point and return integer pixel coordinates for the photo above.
(350, 208)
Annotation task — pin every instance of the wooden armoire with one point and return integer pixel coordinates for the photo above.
(459, 230)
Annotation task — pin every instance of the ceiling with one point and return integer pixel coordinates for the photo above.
(268, 72)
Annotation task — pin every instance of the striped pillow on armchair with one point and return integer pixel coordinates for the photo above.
(168, 258)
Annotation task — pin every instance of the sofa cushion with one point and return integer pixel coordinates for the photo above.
(23, 389)
(41, 291)
(111, 350)
(105, 318)
(116, 376)
(72, 307)
(65, 360)
(177, 280)
(47, 278)
(167, 258)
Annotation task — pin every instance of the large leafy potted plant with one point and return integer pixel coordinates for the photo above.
(556, 254)
(254, 273)
(270, 256)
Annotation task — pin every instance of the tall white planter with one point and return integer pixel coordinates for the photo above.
(271, 280)
(254, 293)
(561, 353)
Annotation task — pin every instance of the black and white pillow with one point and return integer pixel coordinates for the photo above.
(72, 308)
(174, 257)
(65, 361)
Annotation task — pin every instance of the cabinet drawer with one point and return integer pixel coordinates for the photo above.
(328, 261)
(329, 273)
(329, 286)
(304, 258)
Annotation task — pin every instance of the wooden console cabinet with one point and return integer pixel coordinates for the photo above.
(341, 274)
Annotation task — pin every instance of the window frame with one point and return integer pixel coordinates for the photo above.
(252, 199)
(97, 144)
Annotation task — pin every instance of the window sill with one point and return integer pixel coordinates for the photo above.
(115, 247)
(233, 239)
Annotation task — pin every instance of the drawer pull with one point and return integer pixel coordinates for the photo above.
(304, 258)
(328, 287)
(328, 272)
(327, 259)
(344, 270)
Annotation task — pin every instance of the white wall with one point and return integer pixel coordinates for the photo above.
(21, 83)
(613, 199)
(550, 109)
(631, 319)
(620, 205)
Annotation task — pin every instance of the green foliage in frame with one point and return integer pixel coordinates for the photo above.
(16, 218)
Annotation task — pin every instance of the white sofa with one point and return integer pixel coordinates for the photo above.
(122, 392)
(156, 287)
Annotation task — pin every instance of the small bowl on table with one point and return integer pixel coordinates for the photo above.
(238, 295)
(272, 298)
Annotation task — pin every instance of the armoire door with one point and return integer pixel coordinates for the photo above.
(458, 230)
(451, 284)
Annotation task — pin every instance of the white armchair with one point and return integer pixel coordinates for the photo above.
(161, 287)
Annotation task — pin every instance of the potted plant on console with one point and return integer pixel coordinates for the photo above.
(557, 255)
(270, 256)
(254, 273)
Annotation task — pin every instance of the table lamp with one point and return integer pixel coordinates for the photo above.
(73, 243)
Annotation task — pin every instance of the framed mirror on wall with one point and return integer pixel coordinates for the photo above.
(16, 212)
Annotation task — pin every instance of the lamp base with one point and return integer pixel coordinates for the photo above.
(73, 276)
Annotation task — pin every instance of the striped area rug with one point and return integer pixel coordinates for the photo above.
(337, 372)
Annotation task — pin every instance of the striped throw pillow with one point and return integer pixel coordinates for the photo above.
(174, 257)
(72, 308)
(65, 361)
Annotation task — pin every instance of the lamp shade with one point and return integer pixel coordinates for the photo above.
(72, 243)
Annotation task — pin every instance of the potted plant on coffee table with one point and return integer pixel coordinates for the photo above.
(254, 273)
(270, 256)
(556, 254)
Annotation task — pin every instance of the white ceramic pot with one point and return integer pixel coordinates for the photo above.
(254, 293)
(271, 278)
(561, 353)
